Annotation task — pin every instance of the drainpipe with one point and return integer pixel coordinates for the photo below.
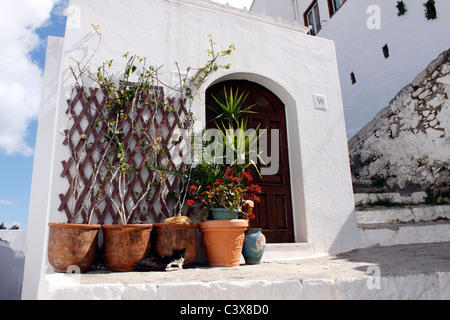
(296, 13)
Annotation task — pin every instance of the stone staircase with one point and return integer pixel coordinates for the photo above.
(404, 225)
(381, 226)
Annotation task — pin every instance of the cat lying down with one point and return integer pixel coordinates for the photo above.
(173, 263)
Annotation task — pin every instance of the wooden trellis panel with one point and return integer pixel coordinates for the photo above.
(84, 111)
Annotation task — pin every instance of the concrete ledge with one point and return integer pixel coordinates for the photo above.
(403, 214)
(413, 198)
(426, 286)
(405, 225)
(286, 252)
(400, 234)
(404, 272)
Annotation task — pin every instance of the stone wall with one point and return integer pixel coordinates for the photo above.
(407, 146)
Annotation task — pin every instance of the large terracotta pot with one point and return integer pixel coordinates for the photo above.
(126, 245)
(223, 240)
(167, 237)
(72, 245)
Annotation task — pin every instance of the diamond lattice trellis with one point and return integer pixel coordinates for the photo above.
(86, 141)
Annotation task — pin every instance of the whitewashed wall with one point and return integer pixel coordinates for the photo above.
(275, 54)
(11, 271)
(413, 42)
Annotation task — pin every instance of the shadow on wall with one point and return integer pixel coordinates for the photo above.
(349, 236)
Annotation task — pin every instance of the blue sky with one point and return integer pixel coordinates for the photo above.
(25, 26)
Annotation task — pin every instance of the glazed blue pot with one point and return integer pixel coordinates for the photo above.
(223, 214)
(254, 245)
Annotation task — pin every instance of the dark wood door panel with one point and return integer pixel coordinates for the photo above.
(274, 213)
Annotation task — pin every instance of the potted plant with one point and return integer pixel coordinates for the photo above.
(179, 232)
(134, 144)
(72, 245)
(75, 243)
(176, 233)
(224, 238)
(124, 140)
(226, 198)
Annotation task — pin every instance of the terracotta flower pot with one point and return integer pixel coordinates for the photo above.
(223, 240)
(72, 245)
(167, 237)
(126, 245)
(223, 214)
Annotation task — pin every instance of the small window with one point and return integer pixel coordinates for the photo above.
(334, 5)
(430, 10)
(386, 51)
(353, 77)
(312, 18)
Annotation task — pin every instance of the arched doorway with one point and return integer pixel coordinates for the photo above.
(274, 214)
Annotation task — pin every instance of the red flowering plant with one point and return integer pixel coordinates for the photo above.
(234, 192)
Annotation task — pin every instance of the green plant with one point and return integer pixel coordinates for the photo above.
(125, 123)
(438, 196)
(125, 103)
(230, 109)
(430, 10)
(130, 135)
(237, 146)
(382, 201)
(232, 192)
(379, 180)
(205, 174)
(401, 8)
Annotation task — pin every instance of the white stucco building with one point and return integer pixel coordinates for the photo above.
(378, 51)
(277, 56)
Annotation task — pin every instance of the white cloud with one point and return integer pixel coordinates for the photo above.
(20, 77)
(6, 202)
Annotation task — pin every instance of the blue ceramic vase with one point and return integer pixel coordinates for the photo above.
(223, 214)
(254, 245)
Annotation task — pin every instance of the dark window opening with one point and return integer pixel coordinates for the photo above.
(353, 77)
(334, 5)
(312, 18)
(386, 51)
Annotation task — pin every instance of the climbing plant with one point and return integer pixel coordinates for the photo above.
(430, 10)
(401, 8)
(121, 138)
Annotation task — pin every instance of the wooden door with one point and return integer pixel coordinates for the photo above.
(274, 212)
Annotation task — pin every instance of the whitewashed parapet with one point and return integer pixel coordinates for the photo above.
(410, 214)
(408, 142)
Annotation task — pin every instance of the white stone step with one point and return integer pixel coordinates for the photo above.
(287, 252)
(400, 272)
(410, 233)
(409, 225)
(403, 214)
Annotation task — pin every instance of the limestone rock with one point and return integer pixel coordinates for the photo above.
(406, 147)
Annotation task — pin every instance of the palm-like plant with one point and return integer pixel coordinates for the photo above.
(231, 108)
(239, 144)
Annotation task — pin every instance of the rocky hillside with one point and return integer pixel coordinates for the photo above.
(407, 146)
